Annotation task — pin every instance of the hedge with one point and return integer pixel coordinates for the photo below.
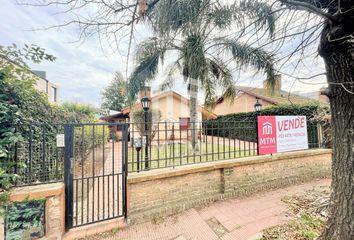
(242, 126)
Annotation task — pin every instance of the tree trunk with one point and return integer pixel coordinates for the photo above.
(193, 94)
(338, 54)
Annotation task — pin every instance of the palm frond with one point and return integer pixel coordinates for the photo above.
(169, 80)
(174, 15)
(260, 12)
(240, 13)
(148, 55)
(248, 56)
(220, 77)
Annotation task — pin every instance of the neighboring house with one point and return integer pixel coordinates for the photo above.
(316, 95)
(42, 83)
(246, 97)
(45, 86)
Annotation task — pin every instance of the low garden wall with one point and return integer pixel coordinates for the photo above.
(40, 210)
(158, 193)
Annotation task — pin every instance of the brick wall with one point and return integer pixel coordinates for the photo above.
(158, 193)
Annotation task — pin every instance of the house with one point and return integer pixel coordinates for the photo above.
(172, 106)
(317, 95)
(174, 112)
(44, 85)
(246, 97)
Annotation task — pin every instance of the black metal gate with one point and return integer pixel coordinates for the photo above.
(95, 173)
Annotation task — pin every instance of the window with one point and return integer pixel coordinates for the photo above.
(184, 123)
(54, 94)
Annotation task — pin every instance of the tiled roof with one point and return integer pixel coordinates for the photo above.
(277, 97)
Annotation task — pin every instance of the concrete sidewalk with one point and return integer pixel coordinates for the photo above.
(234, 219)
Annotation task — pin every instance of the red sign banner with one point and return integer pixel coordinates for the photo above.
(281, 134)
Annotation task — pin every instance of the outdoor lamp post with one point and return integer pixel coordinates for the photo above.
(145, 103)
(258, 109)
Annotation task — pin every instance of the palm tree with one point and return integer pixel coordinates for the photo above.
(194, 29)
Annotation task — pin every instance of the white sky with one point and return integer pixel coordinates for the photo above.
(82, 70)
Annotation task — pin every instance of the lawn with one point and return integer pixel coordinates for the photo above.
(176, 154)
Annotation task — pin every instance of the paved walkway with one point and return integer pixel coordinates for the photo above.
(234, 219)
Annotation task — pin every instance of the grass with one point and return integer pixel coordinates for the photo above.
(305, 227)
(177, 154)
(307, 209)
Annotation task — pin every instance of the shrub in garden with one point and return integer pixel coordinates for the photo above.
(153, 120)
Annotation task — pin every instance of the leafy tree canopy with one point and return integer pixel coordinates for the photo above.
(114, 95)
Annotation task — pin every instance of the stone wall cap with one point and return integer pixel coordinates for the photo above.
(202, 167)
(39, 191)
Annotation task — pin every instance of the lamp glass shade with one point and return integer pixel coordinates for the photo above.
(145, 103)
(258, 106)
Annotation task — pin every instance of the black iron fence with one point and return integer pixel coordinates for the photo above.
(171, 144)
(39, 157)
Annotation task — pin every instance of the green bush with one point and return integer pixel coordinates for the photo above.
(25, 220)
(242, 126)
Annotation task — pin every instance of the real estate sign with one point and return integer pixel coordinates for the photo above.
(281, 134)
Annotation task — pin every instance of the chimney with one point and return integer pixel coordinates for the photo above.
(145, 91)
(277, 85)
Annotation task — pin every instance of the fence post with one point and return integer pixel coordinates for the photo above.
(125, 168)
(68, 174)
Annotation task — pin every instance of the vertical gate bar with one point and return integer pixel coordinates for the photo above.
(57, 161)
(234, 139)
(229, 136)
(224, 135)
(239, 142)
(187, 143)
(180, 144)
(132, 145)
(249, 145)
(76, 201)
(103, 172)
(206, 140)
(93, 174)
(158, 145)
(212, 141)
(88, 199)
(124, 151)
(98, 197)
(108, 196)
(173, 145)
(43, 154)
(218, 133)
(244, 144)
(30, 156)
(82, 172)
(193, 140)
(166, 144)
(68, 175)
(125, 172)
(118, 190)
(200, 131)
(113, 143)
